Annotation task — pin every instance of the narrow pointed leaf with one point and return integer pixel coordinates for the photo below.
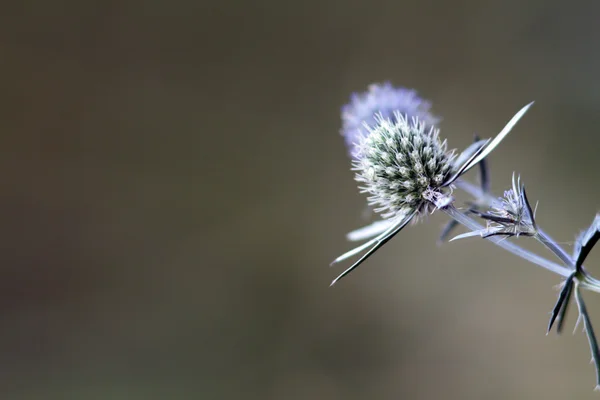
(530, 212)
(363, 246)
(449, 227)
(586, 242)
(495, 218)
(469, 152)
(561, 303)
(367, 232)
(515, 183)
(462, 168)
(379, 241)
(562, 315)
(480, 155)
(484, 176)
(499, 233)
(354, 251)
(490, 147)
(479, 233)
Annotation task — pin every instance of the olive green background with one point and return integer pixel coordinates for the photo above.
(174, 186)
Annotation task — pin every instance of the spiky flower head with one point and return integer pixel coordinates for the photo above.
(385, 100)
(402, 165)
(511, 215)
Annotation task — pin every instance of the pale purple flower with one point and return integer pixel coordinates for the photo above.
(384, 100)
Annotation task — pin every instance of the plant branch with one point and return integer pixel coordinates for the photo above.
(470, 223)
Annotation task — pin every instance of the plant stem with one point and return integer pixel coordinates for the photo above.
(586, 281)
(506, 245)
(541, 236)
(476, 192)
(589, 283)
(554, 248)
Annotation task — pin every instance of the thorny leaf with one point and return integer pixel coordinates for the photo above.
(484, 174)
(489, 146)
(465, 235)
(367, 232)
(525, 201)
(376, 243)
(560, 308)
(469, 152)
(467, 165)
(492, 145)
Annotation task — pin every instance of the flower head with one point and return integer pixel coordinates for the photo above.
(513, 215)
(384, 100)
(510, 215)
(402, 165)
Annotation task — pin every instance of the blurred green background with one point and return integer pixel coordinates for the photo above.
(174, 186)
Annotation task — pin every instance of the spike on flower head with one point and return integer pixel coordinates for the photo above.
(385, 100)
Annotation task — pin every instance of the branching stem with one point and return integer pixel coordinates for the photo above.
(507, 245)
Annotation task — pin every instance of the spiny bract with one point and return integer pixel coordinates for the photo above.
(513, 214)
(402, 165)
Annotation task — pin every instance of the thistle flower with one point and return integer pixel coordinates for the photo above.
(509, 216)
(408, 171)
(383, 100)
(401, 165)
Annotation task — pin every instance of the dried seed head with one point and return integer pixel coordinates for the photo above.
(384, 100)
(401, 165)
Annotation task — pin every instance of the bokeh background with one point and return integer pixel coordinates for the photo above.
(174, 186)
